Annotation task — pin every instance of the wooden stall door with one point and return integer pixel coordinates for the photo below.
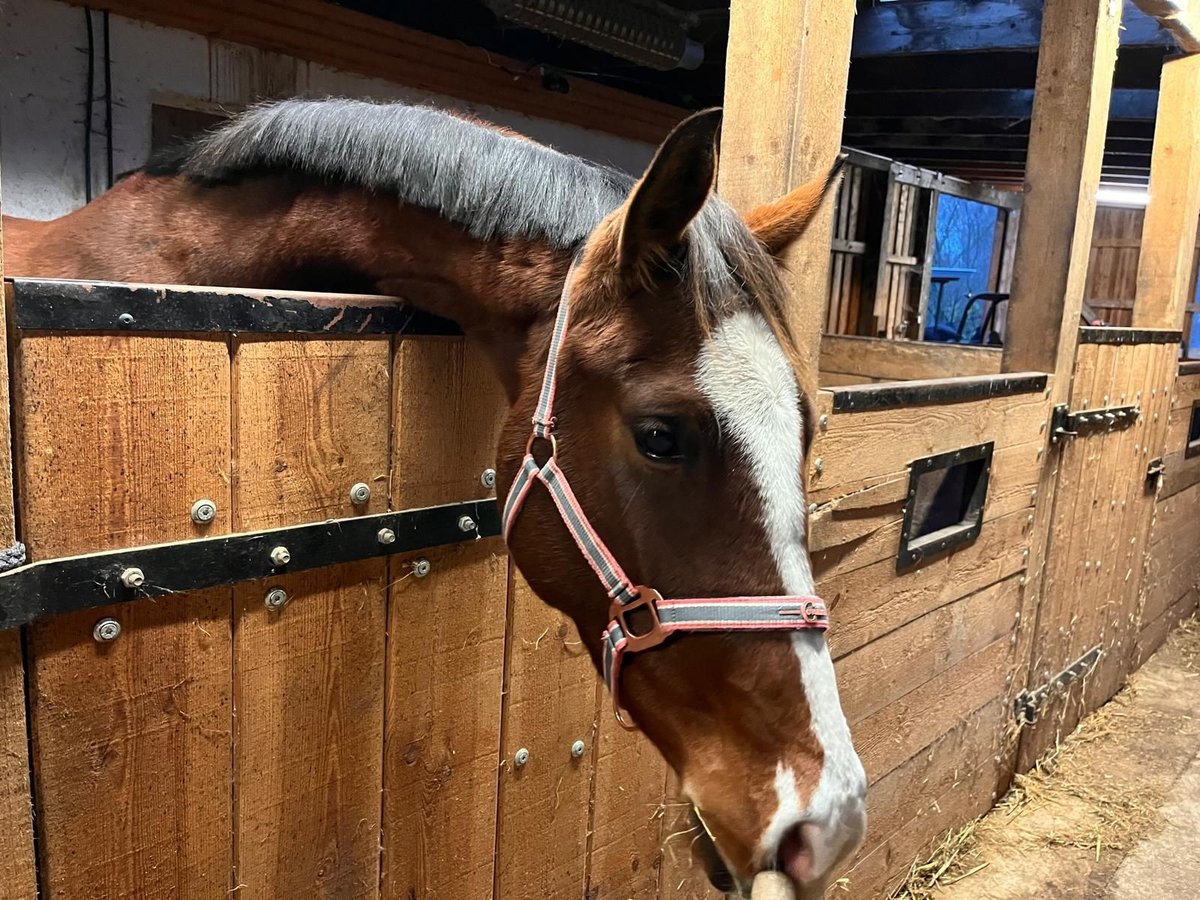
(1099, 526)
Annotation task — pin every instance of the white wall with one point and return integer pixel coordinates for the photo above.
(43, 72)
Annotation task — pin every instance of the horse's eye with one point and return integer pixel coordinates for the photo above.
(658, 440)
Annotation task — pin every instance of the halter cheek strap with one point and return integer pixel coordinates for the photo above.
(663, 617)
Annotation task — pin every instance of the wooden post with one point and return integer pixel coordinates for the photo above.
(1066, 146)
(18, 877)
(1168, 255)
(785, 97)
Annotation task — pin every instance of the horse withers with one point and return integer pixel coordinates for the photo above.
(653, 451)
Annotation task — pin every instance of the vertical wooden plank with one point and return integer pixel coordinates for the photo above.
(118, 436)
(18, 876)
(1168, 256)
(785, 98)
(1066, 145)
(927, 256)
(883, 273)
(627, 811)
(549, 703)
(310, 421)
(682, 876)
(446, 635)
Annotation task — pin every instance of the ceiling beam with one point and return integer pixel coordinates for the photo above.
(965, 26)
(1126, 103)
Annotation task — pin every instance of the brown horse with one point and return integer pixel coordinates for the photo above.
(678, 417)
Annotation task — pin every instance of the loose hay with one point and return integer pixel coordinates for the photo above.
(1100, 812)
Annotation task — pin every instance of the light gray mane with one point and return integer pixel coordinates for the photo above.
(493, 184)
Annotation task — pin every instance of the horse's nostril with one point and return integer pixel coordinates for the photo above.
(796, 853)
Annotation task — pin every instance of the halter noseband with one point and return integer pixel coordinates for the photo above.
(666, 616)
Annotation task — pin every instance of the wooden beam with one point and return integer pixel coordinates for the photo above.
(959, 26)
(355, 42)
(1168, 255)
(1066, 143)
(785, 90)
(18, 876)
(1175, 16)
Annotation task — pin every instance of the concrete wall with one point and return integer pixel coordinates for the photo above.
(43, 84)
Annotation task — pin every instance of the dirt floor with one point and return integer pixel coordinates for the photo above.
(1113, 812)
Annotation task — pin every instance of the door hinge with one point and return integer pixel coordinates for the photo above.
(1157, 467)
(1064, 423)
(1028, 703)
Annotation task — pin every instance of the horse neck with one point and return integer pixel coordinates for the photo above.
(277, 232)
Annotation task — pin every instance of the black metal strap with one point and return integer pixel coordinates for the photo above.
(56, 586)
(64, 305)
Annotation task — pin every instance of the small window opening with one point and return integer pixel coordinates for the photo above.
(1193, 441)
(946, 496)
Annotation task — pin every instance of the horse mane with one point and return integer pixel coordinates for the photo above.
(489, 181)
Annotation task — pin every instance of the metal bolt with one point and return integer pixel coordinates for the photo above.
(385, 536)
(521, 757)
(421, 567)
(276, 598)
(577, 749)
(488, 478)
(1024, 555)
(818, 465)
(1021, 581)
(125, 320)
(466, 523)
(106, 631)
(203, 512)
(133, 577)
(1029, 520)
(280, 556)
(360, 493)
(812, 509)
(824, 423)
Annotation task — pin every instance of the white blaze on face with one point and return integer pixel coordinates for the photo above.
(744, 373)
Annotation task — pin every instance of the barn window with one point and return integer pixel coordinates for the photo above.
(1193, 441)
(944, 508)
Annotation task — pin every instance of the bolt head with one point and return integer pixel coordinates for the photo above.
(106, 631)
(133, 577)
(466, 523)
(521, 757)
(824, 423)
(125, 320)
(488, 478)
(385, 536)
(280, 556)
(577, 749)
(276, 598)
(421, 567)
(818, 465)
(203, 512)
(360, 493)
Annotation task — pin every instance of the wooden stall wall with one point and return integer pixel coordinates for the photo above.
(360, 742)
(1113, 266)
(1099, 526)
(935, 734)
(1172, 579)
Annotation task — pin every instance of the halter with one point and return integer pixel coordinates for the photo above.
(666, 616)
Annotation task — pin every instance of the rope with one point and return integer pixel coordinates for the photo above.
(12, 557)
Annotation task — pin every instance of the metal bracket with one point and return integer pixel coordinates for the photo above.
(1064, 423)
(56, 586)
(1027, 703)
(1153, 471)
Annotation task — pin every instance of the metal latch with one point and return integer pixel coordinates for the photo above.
(1064, 423)
(1027, 703)
(1153, 471)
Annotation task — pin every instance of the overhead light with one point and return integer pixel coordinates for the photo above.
(1122, 195)
(645, 32)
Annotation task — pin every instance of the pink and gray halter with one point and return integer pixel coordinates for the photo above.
(667, 616)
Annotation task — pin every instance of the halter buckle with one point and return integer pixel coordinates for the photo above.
(647, 599)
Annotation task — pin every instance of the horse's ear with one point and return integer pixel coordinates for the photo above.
(671, 193)
(780, 223)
